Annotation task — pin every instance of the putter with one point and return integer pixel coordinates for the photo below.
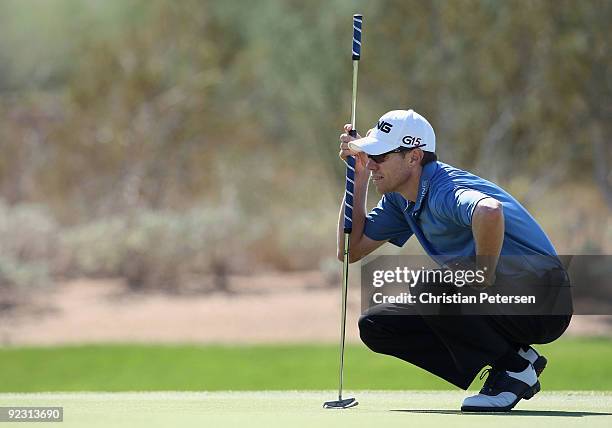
(348, 219)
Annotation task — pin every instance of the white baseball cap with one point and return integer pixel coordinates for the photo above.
(397, 128)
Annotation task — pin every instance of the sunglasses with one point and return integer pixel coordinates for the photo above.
(383, 157)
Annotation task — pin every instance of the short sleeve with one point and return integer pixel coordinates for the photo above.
(386, 222)
(458, 204)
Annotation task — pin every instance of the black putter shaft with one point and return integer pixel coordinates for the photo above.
(348, 219)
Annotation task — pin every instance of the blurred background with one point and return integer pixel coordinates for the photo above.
(169, 170)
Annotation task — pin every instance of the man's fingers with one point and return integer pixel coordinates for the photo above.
(345, 154)
(345, 138)
(346, 151)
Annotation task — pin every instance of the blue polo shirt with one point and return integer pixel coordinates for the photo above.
(441, 220)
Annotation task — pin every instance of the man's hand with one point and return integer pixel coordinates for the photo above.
(360, 158)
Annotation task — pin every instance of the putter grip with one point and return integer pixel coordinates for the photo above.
(348, 194)
(357, 21)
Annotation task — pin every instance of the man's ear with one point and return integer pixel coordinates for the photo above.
(416, 155)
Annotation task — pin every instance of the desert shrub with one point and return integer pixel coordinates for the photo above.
(157, 249)
(28, 241)
(22, 277)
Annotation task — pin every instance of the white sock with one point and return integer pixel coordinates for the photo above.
(530, 355)
(528, 375)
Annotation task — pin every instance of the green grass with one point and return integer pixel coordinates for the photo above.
(303, 409)
(574, 364)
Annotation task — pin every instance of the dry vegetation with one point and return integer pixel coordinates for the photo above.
(160, 141)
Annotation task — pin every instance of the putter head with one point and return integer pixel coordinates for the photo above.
(347, 403)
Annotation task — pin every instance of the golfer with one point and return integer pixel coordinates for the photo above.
(452, 213)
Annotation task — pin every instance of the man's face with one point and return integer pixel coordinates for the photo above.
(392, 173)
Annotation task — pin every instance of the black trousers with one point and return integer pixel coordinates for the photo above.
(453, 347)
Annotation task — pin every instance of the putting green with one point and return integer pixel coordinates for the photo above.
(297, 409)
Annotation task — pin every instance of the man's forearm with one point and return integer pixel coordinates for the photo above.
(488, 230)
(359, 213)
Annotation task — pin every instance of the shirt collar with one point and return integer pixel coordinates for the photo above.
(426, 174)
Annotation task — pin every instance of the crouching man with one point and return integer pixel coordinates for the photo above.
(451, 212)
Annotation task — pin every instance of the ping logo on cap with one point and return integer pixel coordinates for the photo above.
(384, 126)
